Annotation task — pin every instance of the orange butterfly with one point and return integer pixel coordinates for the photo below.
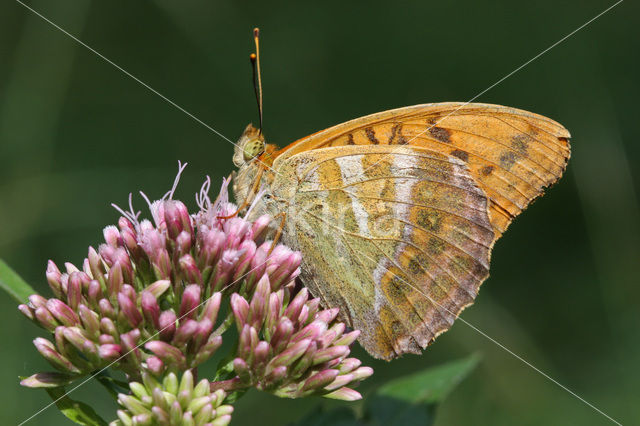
(396, 213)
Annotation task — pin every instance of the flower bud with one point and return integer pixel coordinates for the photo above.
(45, 318)
(62, 312)
(291, 354)
(258, 307)
(108, 327)
(295, 306)
(248, 250)
(344, 394)
(112, 236)
(183, 243)
(259, 228)
(190, 301)
(132, 404)
(155, 365)
(311, 331)
(247, 342)
(150, 308)
(185, 332)
(74, 289)
(175, 414)
(167, 353)
(240, 309)
(362, 373)
(328, 315)
(104, 339)
(275, 377)
(167, 325)
(109, 351)
(130, 344)
(319, 380)
(347, 339)
(49, 353)
(70, 268)
(340, 381)
(47, 380)
(201, 335)
(190, 270)
(242, 370)
(90, 321)
(129, 309)
(212, 246)
(53, 278)
(27, 312)
(211, 308)
(282, 335)
(158, 288)
(115, 279)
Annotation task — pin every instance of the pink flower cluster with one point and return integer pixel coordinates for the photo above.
(148, 301)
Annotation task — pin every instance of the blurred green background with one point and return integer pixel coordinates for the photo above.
(76, 134)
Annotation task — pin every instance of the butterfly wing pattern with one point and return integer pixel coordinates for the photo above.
(512, 154)
(400, 248)
(396, 213)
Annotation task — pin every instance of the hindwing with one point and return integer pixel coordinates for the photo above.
(397, 237)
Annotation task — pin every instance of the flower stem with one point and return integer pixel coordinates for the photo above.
(228, 385)
(225, 324)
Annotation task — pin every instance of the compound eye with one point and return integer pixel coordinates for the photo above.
(252, 149)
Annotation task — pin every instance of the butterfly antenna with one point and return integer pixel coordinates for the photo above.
(257, 78)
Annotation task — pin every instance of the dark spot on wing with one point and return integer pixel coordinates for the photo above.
(371, 135)
(396, 134)
(429, 220)
(486, 170)
(394, 131)
(464, 156)
(520, 143)
(508, 159)
(350, 139)
(414, 266)
(435, 246)
(441, 134)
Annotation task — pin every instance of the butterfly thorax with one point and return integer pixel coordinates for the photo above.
(396, 213)
(255, 175)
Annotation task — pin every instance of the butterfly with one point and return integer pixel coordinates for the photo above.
(396, 213)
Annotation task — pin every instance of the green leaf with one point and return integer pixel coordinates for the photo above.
(431, 385)
(412, 400)
(78, 412)
(407, 401)
(11, 282)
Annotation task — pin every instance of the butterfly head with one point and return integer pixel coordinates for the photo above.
(250, 145)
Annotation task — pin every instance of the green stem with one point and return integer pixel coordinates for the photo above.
(225, 324)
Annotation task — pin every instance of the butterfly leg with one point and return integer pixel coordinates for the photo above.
(283, 218)
(250, 196)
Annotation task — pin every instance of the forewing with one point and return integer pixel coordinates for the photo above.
(398, 238)
(513, 155)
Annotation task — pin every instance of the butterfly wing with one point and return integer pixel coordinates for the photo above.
(512, 155)
(397, 237)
